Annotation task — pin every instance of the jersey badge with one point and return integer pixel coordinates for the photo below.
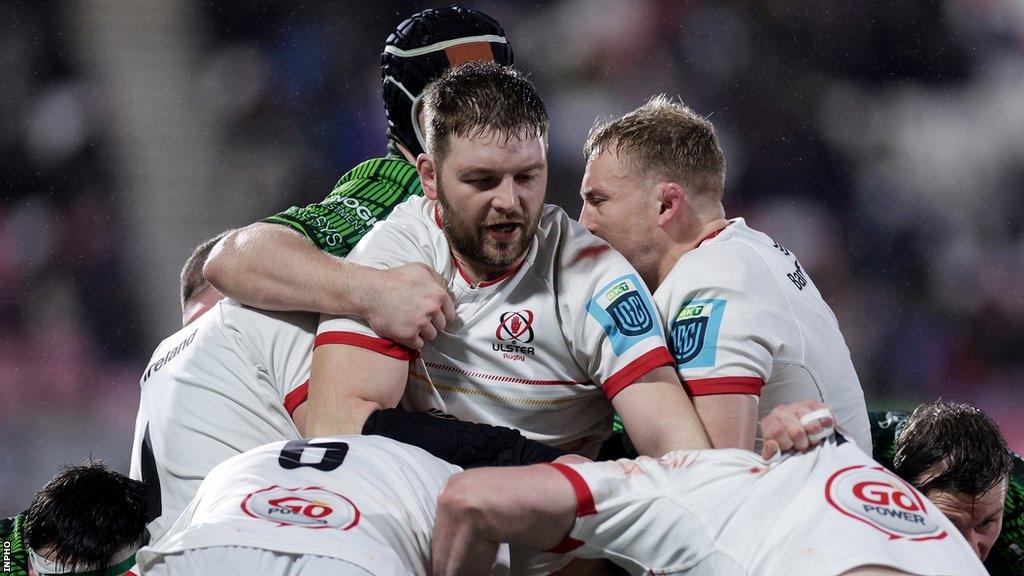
(514, 331)
(625, 312)
(882, 500)
(693, 335)
(310, 507)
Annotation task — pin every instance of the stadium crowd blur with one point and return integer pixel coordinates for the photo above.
(880, 141)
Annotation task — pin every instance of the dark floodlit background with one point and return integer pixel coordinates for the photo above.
(881, 141)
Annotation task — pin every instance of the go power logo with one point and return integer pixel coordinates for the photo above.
(311, 507)
(883, 501)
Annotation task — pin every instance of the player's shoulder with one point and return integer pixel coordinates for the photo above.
(737, 257)
(242, 318)
(572, 246)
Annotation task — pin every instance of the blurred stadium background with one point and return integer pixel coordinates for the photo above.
(881, 141)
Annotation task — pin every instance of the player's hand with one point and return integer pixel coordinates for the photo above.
(797, 426)
(411, 306)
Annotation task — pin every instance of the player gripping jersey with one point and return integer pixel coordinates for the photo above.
(743, 317)
(367, 502)
(539, 349)
(222, 385)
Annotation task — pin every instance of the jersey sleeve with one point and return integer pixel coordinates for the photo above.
(402, 239)
(721, 321)
(621, 515)
(359, 200)
(614, 328)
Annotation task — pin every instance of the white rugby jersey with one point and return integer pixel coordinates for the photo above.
(222, 385)
(368, 500)
(540, 349)
(728, 512)
(743, 317)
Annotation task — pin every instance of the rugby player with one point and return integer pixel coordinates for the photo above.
(551, 323)
(295, 260)
(235, 378)
(344, 505)
(88, 520)
(956, 456)
(826, 512)
(747, 327)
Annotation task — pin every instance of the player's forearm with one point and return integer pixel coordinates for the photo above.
(272, 267)
(459, 545)
(529, 506)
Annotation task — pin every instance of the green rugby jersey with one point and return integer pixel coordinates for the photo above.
(364, 195)
(1007, 555)
(13, 555)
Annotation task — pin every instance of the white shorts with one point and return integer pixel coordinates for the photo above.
(245, 561)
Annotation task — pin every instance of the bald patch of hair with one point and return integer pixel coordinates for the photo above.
(667, 139)
(192, 279)
(479, 98)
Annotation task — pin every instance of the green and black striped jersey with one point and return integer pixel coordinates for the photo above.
(1007, 555)
(364, 195)
(13, 555)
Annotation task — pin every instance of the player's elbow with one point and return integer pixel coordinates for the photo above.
(464, 503)
(223, 257)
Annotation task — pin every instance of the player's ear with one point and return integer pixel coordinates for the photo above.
(671, 197)
(428, 175)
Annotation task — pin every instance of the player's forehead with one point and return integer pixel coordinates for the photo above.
(496, 152)
(606, 173)
(969, 509)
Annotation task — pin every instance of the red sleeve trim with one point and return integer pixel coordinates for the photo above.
(378, 345)
(584, 505)
(724, 385)
(650, 360)
(296, 397)
(584, 497)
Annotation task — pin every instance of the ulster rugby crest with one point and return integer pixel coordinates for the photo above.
(882, 500)
(693, 335)
(625, 311)
(515, 326)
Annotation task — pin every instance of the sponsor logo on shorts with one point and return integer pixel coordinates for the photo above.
(882, 500)
(693, 335)
(625, 312)
(310, 507)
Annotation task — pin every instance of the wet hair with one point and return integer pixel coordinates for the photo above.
(192, 279)
(87, 513)
(667, 139)
(478, 98)
(952, 447)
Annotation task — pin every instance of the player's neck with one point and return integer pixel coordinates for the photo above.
(692, 240)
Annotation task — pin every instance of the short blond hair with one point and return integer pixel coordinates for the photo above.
(664, 138)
